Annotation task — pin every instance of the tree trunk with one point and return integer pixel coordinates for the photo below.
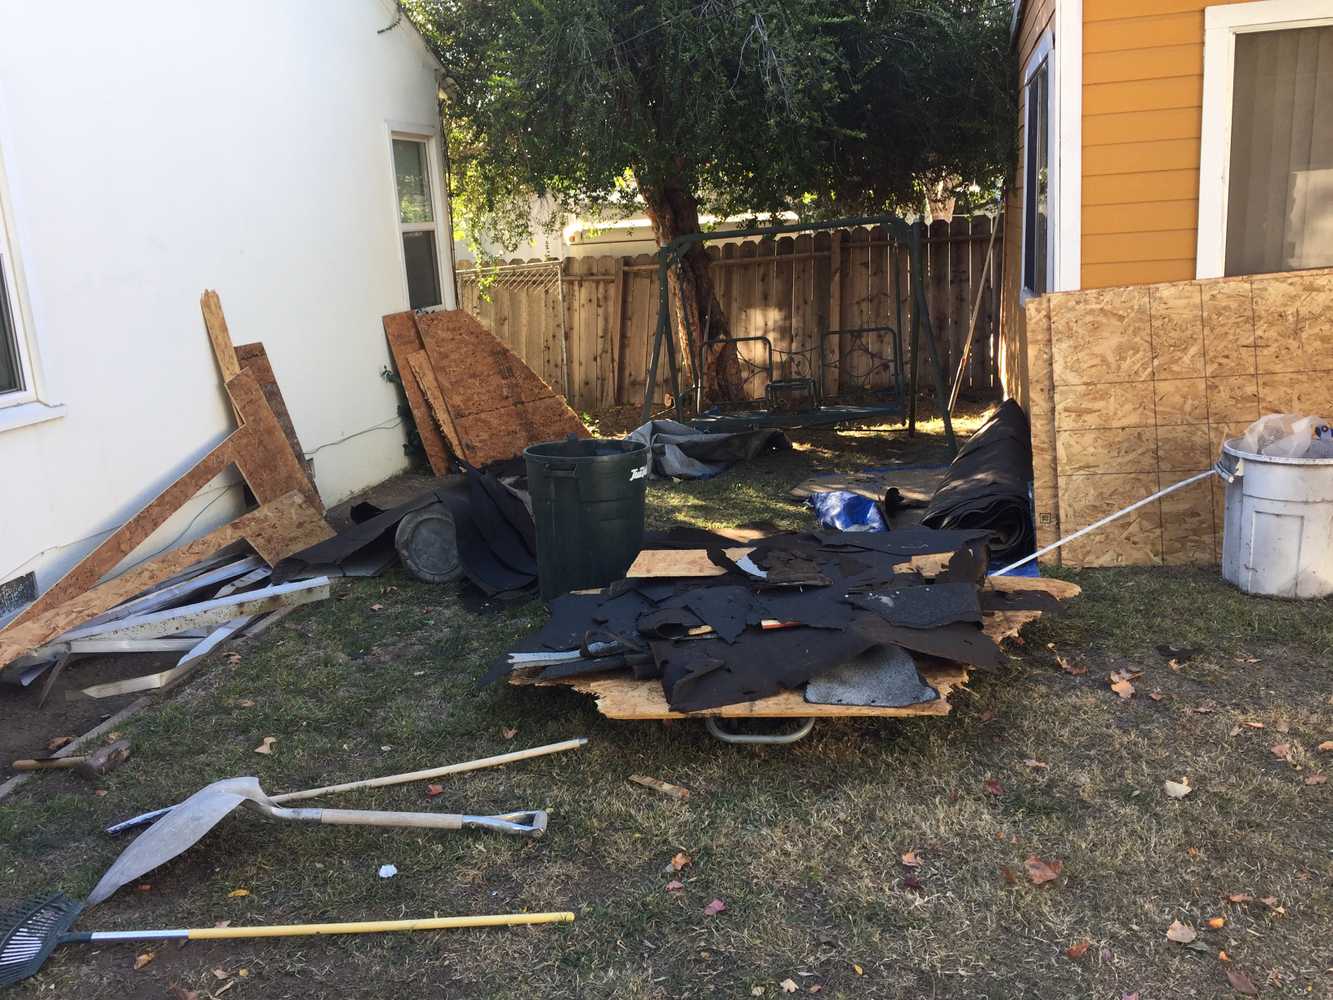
(673, 212)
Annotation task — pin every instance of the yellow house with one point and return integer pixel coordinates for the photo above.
(1172, 207)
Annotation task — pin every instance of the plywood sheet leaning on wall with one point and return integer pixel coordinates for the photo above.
(496, 403)
(1135, 388)
(254, 359)
(400, 329)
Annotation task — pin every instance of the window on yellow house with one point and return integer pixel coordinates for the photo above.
(1036, 181)
(1279, 190)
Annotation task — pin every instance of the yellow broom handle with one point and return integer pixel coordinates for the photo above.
(377, 926)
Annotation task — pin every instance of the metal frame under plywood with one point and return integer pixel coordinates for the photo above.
(1132, 389)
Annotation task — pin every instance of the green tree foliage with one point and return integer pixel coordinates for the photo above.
(825, 107)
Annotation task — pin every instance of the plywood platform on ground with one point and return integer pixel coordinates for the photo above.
(620, 696)
(1132, 389)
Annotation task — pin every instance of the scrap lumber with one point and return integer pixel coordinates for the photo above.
(650, 563)
(254, 359)
(497, 404)
(274, 530)
(400, 329)
(424, 377)
(167, 678)
(658, 785)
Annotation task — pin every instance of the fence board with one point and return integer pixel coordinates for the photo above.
(588, 329)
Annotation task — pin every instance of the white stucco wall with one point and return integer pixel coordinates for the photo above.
(152, 149)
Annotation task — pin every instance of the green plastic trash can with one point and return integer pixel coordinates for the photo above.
(587, 502)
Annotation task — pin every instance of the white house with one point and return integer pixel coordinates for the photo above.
(284, 153)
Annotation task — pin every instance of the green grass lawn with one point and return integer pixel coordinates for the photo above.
(803, 844)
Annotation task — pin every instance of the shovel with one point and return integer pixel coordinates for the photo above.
(187, 823)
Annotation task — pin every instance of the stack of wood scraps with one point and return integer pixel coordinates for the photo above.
(472, 397)
(194, 596)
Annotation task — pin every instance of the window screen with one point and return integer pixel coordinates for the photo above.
(1036, 182)
(1280, 197)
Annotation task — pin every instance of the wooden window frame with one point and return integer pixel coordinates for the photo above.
(1221, 26)
(10, 278)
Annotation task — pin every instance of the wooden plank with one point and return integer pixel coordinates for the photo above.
(216, 325)
(620, 362)
(802, 326)
(400, 329)
(275, 530)
(260, 450)
(420, 371)
(205, 614)
(168, 678)
(679, 562)
(837, 238)
(254, 359)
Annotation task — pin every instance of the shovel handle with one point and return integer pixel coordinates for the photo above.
(352, 927)
(48, 763)
(374, 817)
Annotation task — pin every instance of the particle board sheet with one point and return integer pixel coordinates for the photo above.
(498, 405)
(423, 378)
(623, 697)
(400, 330)
(1133, 389)
(254, 359)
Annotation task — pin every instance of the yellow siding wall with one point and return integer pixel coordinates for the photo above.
(1037, 17)
(1142, 105)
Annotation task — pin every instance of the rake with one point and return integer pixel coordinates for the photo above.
(31, 930)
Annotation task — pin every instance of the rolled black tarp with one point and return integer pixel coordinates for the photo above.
(987, 485)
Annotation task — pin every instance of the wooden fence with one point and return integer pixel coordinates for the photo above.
(586, 324)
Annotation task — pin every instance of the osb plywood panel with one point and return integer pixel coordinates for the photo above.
(254, 359)
(500, 434)
(419, 371)
(400, 329)
(1101, 336)
(1145, 384)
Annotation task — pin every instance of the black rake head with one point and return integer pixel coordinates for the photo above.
(30, 931)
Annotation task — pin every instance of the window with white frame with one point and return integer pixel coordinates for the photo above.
(1266, 162)
(15, 381)
(417, 221)
(1037, 231)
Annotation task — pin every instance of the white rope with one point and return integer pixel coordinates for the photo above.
(1106, 520)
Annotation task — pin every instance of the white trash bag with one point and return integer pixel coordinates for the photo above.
(1288, 435)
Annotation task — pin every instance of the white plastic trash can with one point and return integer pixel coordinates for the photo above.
(1277, 536)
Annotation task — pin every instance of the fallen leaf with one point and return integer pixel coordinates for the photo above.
(1282, 751)
(1181, 933)
(1326, 746)
(992, 787)
(232, 658)
(1235, 731)
(1155, 695)
(1207, 708)
(675, 886)
(789, 985)
(1130, 996)
(434, 790)
(1008, 873)
(1240, 897)
(221, 974)
(1241, 983)
(1193, 852)
(1123, 688)
(245, 703)
(1040, 872)
(1316, 779)
(1177, 789)
(1251, 724)
(1126, 675)
(99, 792)
(858, 970)
(222, 923)
(1069, 668)
(815, 988)
(1272, 904)
(680, 860)
(912, 860)
(508, 733)
(242, 972)
(756, 991)
(1217, 922)
(1222, 956)
(143, 959)
(1174, 664)
(143, 887)
(238, 893)
(714, 908)
(1032, 762)
(59, 742)
(377, 607)
(266, 745)
(1077, 951)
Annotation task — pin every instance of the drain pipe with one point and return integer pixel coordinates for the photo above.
(1106, 520)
